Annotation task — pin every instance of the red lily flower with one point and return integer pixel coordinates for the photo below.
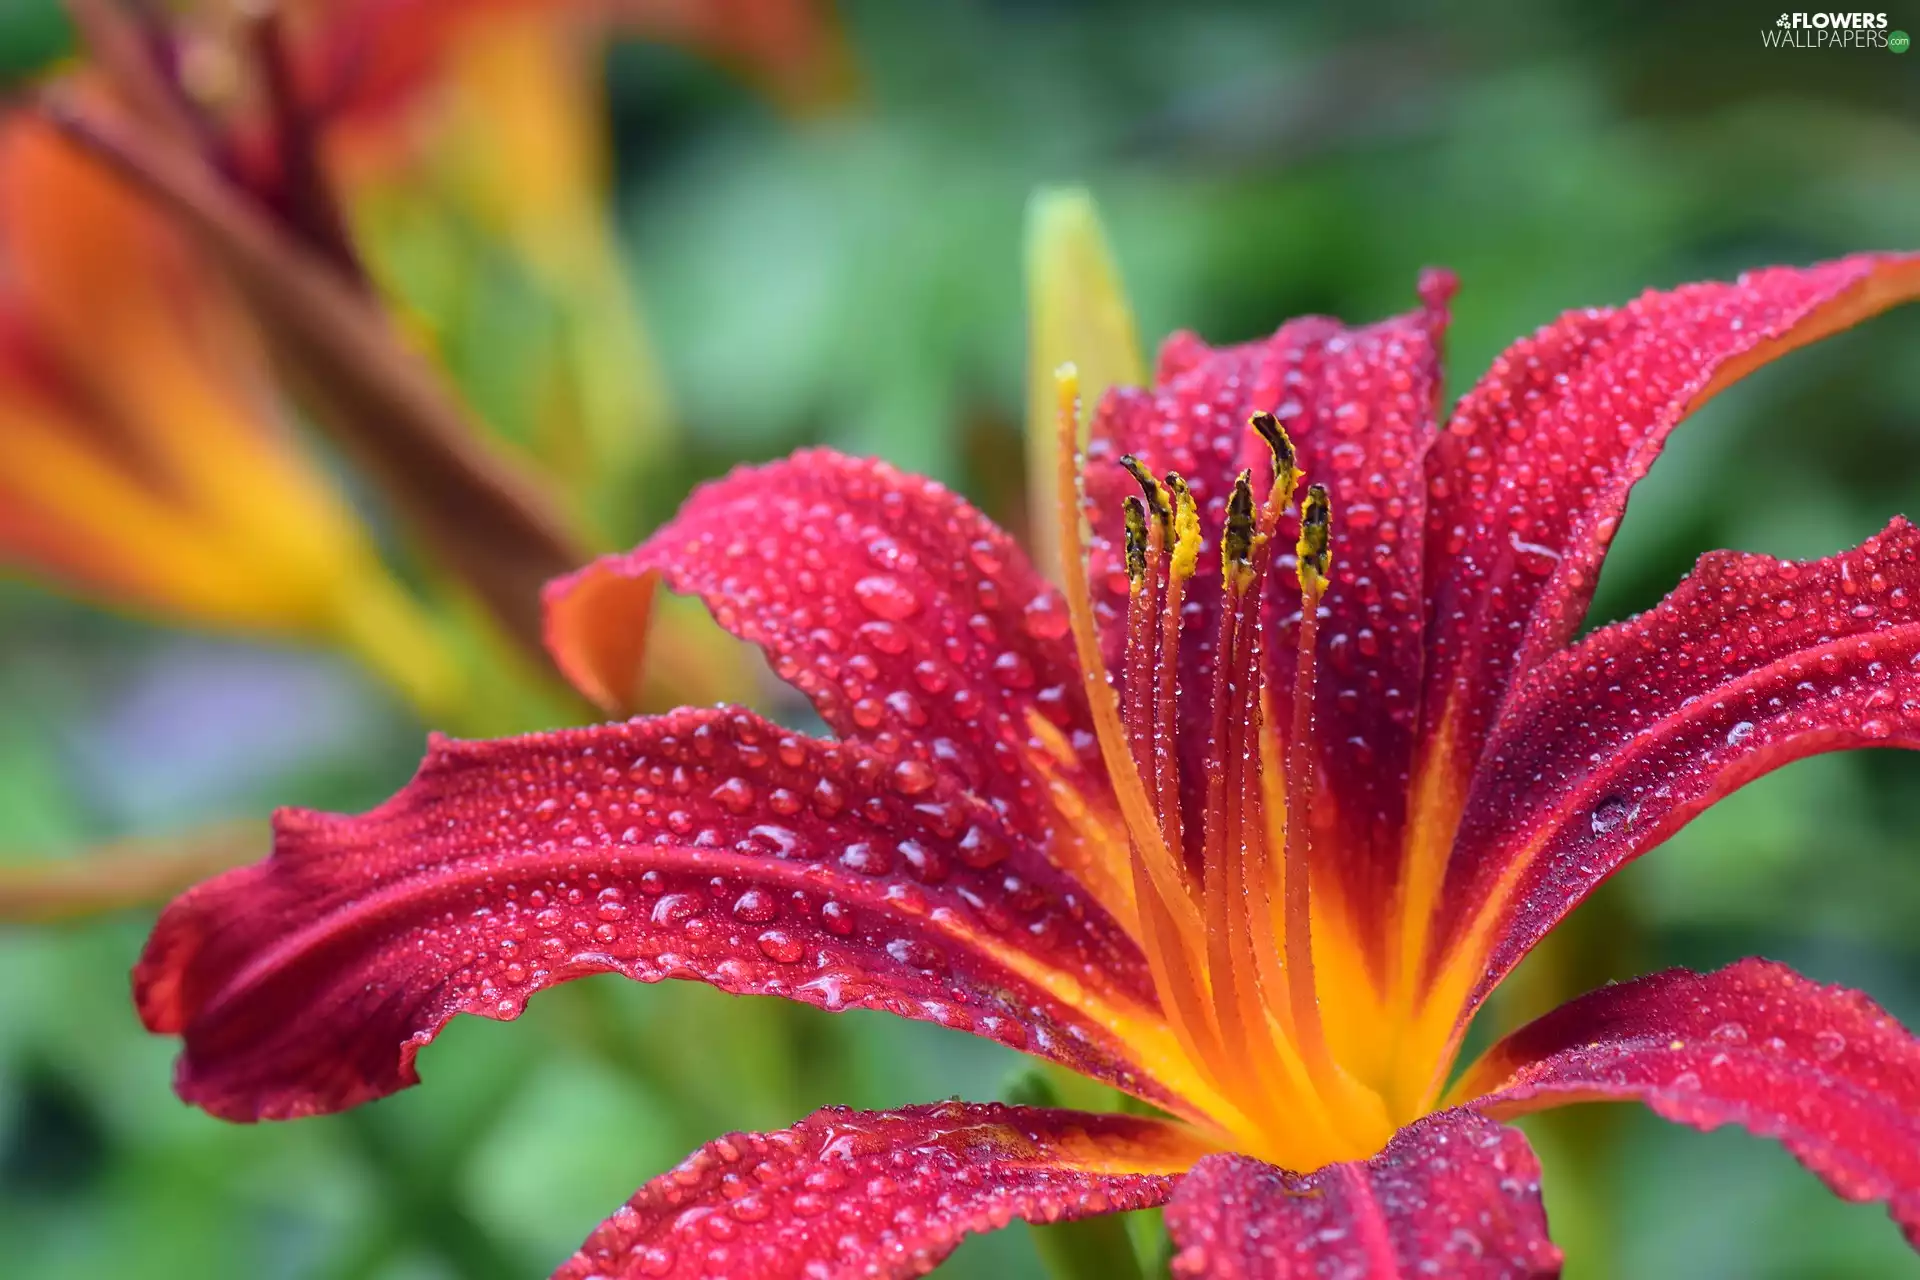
(1247, 831)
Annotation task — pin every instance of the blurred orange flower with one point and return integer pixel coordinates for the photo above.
(469, 143)
(261, 165)
(144, 455)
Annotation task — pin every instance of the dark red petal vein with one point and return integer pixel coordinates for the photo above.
(1454, 1194)
(878, 1194)
(710, 845)
(1609, 747)
(1823, 1069)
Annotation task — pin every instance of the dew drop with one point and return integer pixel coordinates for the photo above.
(1534, 557)
(926, 863)
(1610, 815)
(780, 946)
(886, 597)
(913, 777)
(866, 859)
(675, 908)
(1013, 670)
(981, 848)
(734, 795)
(836, 917)
(749, 1208)
(1046, 617)
(920, 955)
(755, 906)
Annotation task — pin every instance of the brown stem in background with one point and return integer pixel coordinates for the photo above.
(126, 874)
(122, 48)
(305, 197)
(494, 525)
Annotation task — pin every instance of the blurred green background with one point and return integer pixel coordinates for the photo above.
(855, 280)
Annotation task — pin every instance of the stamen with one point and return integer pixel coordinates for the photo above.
(1316, 553)
(1145, 556)
(1265, 874)
(1226, 927)
(1286, 466)
(1314, 562)
(1136, 517)
(1235, 826)
(1186, 529)
(1152, 696)
(1183, 555)
(1137, 810)
(1155, 496)
(1169, 921)
(1236, 540)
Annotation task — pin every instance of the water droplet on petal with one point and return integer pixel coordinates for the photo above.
(780, 946)
(887, 597)
(755, 906)
(836, 917)
(1046, 617)
(912, 777)
(1610, 815)
(1013, 670)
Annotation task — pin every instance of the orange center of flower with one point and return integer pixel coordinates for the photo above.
(1224, 913)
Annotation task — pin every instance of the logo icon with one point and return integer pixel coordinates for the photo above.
(1898, 41)
(1783, 21)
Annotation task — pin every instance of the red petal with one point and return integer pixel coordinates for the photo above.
(1608, 748)
(1360, 406)
(1529, 480)
(901, 611)
(876, 1194)
(704, 844)
(1823, 1069)
(1452, 1195)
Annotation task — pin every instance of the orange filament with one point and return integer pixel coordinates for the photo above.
(1220, 871)
(1171, 931)
(1312, 559)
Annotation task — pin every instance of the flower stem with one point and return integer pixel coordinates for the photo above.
(394, 638)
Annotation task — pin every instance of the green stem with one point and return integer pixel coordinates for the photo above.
(380, 624)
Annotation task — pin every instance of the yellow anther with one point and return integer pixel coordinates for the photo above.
(1186, 528)
(1136, 515)
(1237, 538)
(1156, 497)
(1286, 462)
(1315, 548)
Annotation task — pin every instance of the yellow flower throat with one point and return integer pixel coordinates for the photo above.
(1277, 1031)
